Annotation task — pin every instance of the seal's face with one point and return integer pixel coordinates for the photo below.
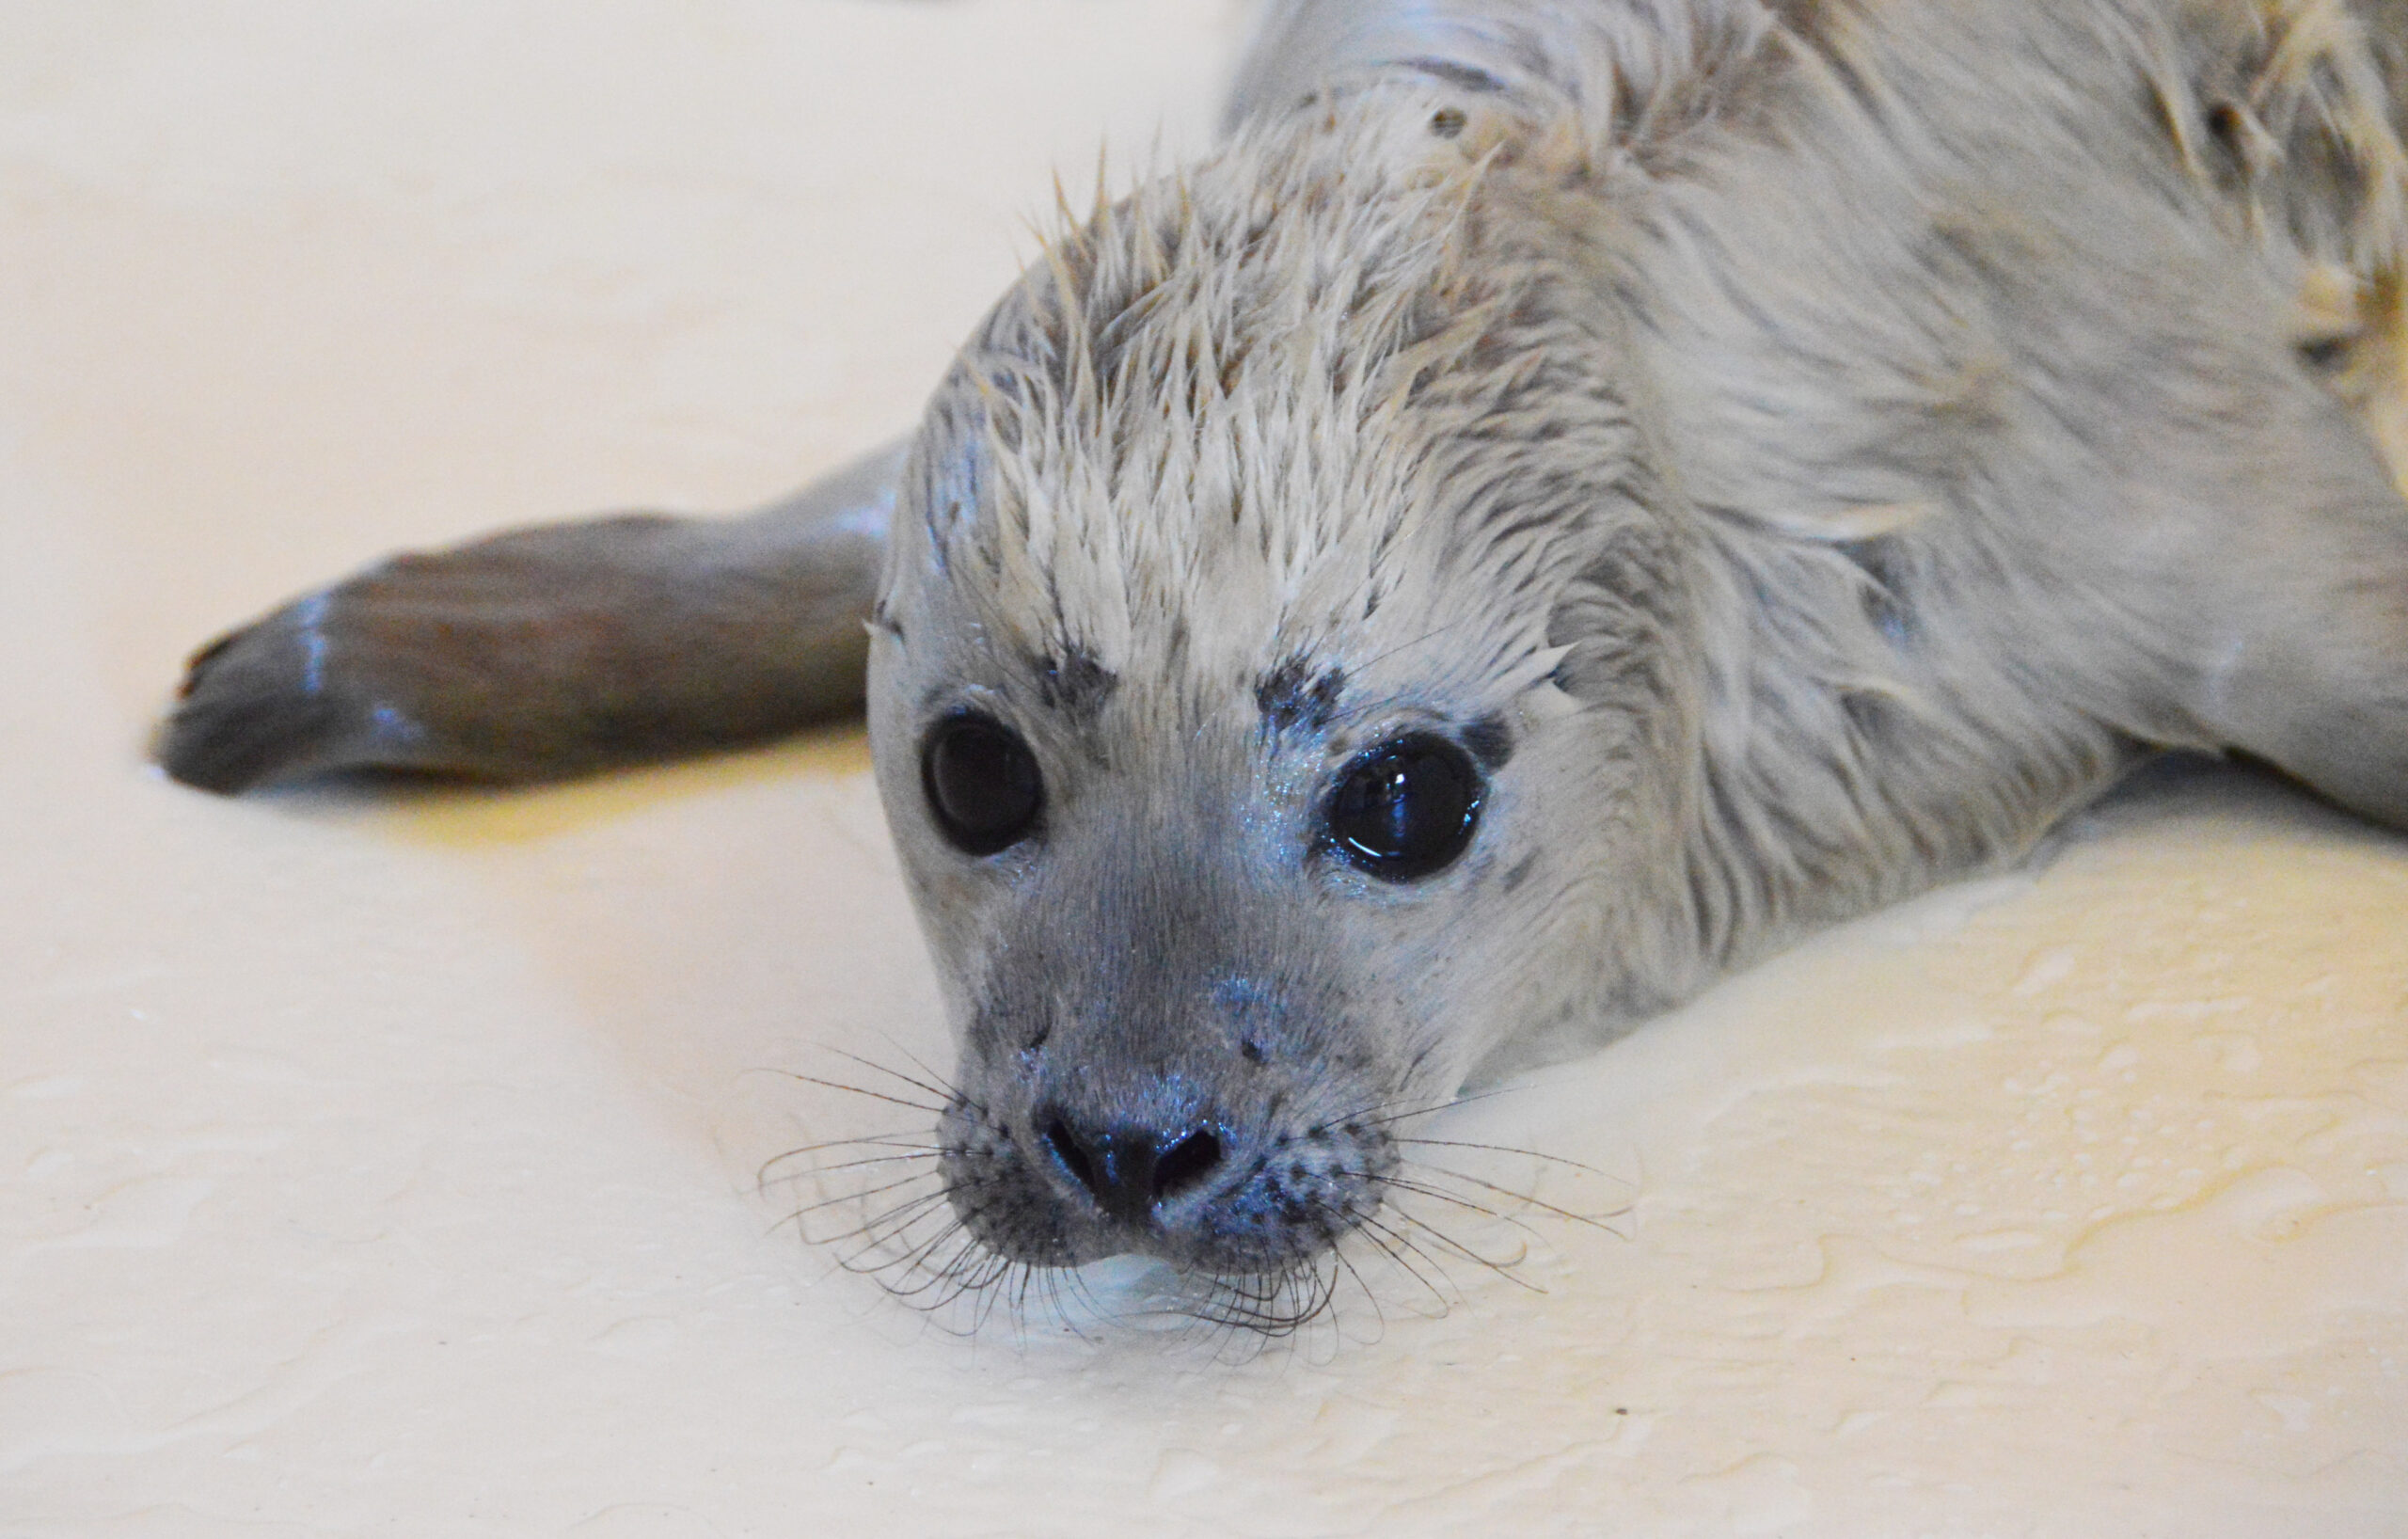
(1199, 987)
(1219, 677)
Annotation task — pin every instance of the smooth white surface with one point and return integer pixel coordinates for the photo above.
(386, 1168)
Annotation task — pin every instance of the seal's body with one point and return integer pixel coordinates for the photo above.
(1566, 498)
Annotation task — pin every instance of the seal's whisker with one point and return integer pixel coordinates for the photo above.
(1424, 1224)
(1509, 1148)
(1398, 1183)
(929, 1272)
(889, 1252)
(1084, 1292)
(1020, 1293)
(1425, 1188)
(1269, 1304)
(943, 1089)
(887, 1226)
(1059, 1281)
(875, 1140)
(988, 1286)
(1323, 1295)
(1503, 1269)
(1403, 1108)
(1595, 1221)
(871, 1254)
(863, 1090)
(1394, 1244)
(915, 1264)
(908, 1272)
(944, 1290)
(849, 1165)
(867, 1261)
(989, 1282)
(1380, 1113)
(1363, 1285)
(885, 1181)
(864, 1195)
(1227, 1300)
(897, 1220)
(817, 1173)
(884, 1244)
(970, 1269)
(938, 1082)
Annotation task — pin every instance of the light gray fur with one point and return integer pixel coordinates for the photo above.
(1824, 443)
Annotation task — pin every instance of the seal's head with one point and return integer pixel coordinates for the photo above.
(1264, 686)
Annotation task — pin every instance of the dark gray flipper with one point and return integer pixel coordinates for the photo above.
(553, 651)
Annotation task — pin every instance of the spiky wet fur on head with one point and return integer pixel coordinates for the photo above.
(1225, 423)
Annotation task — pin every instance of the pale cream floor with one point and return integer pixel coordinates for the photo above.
(388, 1167)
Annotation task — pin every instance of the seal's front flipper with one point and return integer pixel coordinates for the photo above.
(552, 651)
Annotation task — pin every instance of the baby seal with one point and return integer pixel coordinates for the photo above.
(1566, 498)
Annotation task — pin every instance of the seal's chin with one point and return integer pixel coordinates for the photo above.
(1217, 1198)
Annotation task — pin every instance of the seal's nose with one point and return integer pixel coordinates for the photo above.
(1131, 1172)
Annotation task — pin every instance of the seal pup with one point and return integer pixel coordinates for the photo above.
(1565, 498)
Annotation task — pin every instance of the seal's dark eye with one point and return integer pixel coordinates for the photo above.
(1406, 809)
(982, 783)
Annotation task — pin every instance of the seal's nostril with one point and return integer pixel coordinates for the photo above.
(1186, 1163)
(1130, 1171)
(1066, 1147)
